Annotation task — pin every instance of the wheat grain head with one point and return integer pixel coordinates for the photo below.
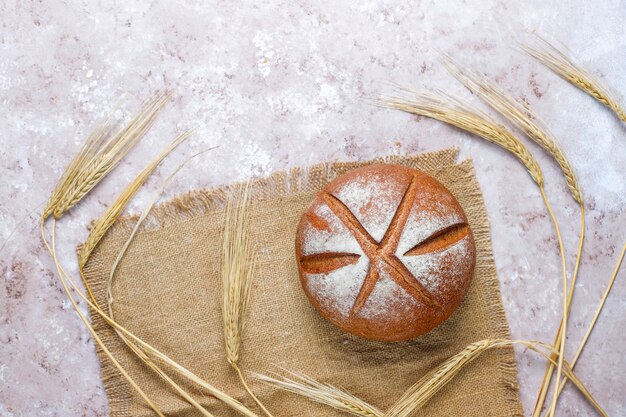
(453, 111)
(237, 267)
(104, 222)
(417, 395)
(95, 140)
(100, 155)
(566, 68)
(322, 393)
(519, 115)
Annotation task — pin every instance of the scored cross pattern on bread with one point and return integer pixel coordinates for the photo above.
(385, 252)
(382, 255)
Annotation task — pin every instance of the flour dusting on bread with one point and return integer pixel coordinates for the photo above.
(424, 259)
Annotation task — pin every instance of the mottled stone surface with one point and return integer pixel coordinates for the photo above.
(278, 84)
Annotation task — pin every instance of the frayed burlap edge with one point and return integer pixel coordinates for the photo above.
(299, 180)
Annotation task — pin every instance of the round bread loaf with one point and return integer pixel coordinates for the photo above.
(385, 252)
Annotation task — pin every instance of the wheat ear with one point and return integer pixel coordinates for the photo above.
(422, 391)
(527, 121)
(453, 111)
(305, 386)
(112, 213)
(416, 396)
(520, 115)
(100, 155)
(566, 68)
(237, 270)
(149, 349)
(57, 204)
(95, 141)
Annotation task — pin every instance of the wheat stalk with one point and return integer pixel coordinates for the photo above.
(75, 183)
(226, 399)
(237, 269)
(104, 222)
(416, 396)
(64, 283)
(526, 120)
(521, 115)
(566, 68)
(596, 315)
(560, 345)
(74, 179)
(125, 196)
(322, 393)
(140, 348)
(66, 279)
(453, 111)
(112, 213)
(101, 154)
(422, 391)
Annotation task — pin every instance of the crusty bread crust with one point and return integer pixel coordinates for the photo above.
(385, 252)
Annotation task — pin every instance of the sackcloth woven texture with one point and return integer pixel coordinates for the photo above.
(167, 291)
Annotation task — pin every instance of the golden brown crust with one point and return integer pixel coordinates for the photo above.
(385, 252)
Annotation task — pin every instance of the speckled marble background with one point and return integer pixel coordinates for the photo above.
(279, 84)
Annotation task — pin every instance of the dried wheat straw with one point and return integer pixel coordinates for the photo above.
(104, 222)
(463, 116)
(322, 393)
(136, 349)
(226, 399)
(521, 115)
(64, 284)
(237, 269)
(597, 314)
(566, 68)
(64, 279)
(420, 393)
(525, 119)
(70, 189)
(448, 109)
(100, 155)
(112, 213)
(547, 378)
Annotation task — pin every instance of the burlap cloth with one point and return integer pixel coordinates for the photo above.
(167, 291)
